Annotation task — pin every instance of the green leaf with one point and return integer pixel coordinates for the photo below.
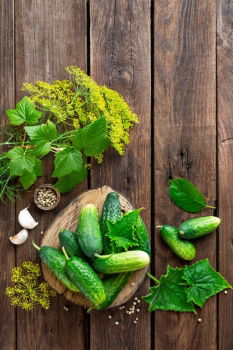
(20, 161)
(93, 138)
(122, 231)
(66, 183)
(27, 179)
(38, 170)
(67, 161)
(186, 196)
(169, 294)
(25, 112)
(42, 136)
(204, 280)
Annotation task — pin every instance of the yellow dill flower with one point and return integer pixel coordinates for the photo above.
(80, 101)
(27, 289)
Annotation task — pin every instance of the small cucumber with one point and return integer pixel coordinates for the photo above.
(89, 235)
(111, 211)
(121, 262)
(184, 249)
(69, 240)
(85, 279)
(141, 234)
(56, 262)
(112, 286)
(198, 227)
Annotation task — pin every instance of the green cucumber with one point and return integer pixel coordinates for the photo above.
(121, 262)
(198, 227)
(184, 249)
(56, 262)
(69, 240)
(111, 211)
(112, 286)
(141, 234)
(89, 234)
(85, 279)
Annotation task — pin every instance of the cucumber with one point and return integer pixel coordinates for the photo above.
(141, 234)
(89, 235)
(111, 211)
(184, 249)
(112, 286)
(198, 227)
(121, 262)
(85, 279)
(69, 240)
(56, 263)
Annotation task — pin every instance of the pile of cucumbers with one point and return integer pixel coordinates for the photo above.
(178, 238)
(80, 266)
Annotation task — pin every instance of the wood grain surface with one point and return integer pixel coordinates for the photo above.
(120, 58)
(185, 145)
(225, 165)
(172, 61)
(48, 37)
(7, 227)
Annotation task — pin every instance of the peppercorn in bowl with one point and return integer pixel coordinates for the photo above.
(46, 197)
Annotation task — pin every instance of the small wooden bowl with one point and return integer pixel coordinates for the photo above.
(67, 219)
(40, 205)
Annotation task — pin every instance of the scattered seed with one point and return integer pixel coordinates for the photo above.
(138, 310)
(66, 308)
(42, 232)
(136, 318)
(199, 320)
(134, 303)
(135, 298)
(132, 284)
(109, 316)
(138, 301)
(225, 291)
(116, 323)
(135, 322)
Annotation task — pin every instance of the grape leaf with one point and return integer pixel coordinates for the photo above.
(169, 294)
(93, 138)
(38, 167)
(20, 161)
(67, 161)
(41, 137)
(27, 179)
(66, 183)
(204, 282)
(122, 231)
(186, 196)
(25, 112)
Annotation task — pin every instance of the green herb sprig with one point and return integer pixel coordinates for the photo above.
(72, 119)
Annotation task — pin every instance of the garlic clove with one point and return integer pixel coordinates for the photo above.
(26, 220)
(20, 237)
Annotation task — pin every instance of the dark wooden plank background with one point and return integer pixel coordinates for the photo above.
(173, 62)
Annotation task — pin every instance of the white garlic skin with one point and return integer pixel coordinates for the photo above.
(20, 237)
(26, 220)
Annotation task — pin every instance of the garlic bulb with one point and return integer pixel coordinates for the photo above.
(26, 220)
(20, 237)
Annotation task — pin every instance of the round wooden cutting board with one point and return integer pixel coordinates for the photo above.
(67, 219)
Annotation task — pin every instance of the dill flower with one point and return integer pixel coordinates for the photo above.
(80, 101)
(27, 289)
